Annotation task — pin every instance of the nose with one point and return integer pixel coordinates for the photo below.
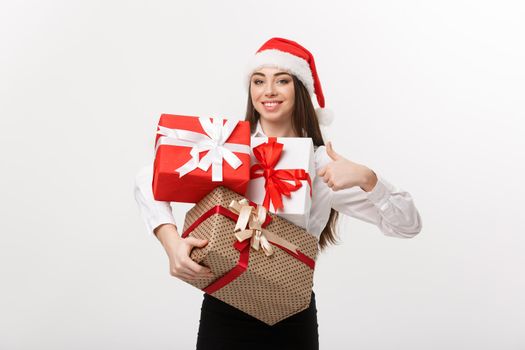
(269, 89)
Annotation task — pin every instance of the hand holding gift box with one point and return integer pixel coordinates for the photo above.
(194, 155)
(263, 265)
(282, 172)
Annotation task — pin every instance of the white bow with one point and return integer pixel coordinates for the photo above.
(214, 141)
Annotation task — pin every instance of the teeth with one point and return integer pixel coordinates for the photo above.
(270, 104)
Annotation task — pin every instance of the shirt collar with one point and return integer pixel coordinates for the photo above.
(260, 133)
(258, 130)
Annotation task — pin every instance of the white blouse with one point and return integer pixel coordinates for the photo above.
(388, 207)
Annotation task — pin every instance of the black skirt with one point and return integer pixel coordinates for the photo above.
(222, 327)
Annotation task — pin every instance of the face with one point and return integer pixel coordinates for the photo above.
(273, 94)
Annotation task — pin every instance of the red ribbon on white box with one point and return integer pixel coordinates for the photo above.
(213, 141)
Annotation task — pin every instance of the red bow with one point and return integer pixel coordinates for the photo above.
(268, 154)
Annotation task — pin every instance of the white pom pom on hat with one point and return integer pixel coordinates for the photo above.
(292, 57)
(325, 116)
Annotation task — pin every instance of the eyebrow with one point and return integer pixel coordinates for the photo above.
(276, 74)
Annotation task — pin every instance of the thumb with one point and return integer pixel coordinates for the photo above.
(330, 151)
(196, 242)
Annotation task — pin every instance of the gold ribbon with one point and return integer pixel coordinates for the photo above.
(253, 218)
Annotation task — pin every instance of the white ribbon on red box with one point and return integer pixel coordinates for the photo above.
(214, 141)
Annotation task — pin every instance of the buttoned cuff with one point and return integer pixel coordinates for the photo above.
(381, 191)
(159, 219)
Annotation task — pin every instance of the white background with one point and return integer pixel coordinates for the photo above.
(429, 94)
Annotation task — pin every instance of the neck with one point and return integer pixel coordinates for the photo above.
(277, 129)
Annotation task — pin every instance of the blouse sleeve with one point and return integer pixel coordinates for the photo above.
(153, 212)
(388, 207)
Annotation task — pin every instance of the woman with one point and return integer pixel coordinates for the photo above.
(282, 79)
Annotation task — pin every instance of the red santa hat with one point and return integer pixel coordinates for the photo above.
(295, 59)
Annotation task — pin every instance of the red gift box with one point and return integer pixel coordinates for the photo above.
(195, 155)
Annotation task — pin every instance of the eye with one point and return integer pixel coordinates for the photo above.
(257, 81)
(284, 81)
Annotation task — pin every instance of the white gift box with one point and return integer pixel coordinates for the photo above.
(297, 153)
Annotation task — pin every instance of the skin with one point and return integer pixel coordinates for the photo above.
(266, 84)
(272, 84)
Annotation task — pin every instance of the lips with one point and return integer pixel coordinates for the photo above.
(271, 106)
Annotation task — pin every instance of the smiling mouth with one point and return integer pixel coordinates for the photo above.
(271, 103)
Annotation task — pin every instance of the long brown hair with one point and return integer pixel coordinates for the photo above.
(305, 123)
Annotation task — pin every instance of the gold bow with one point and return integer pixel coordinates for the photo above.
(253, 218)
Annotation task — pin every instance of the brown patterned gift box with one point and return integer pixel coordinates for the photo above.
(269, 284)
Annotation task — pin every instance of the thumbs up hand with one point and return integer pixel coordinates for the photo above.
(342, 173)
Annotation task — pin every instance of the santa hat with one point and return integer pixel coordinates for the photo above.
(292, 57)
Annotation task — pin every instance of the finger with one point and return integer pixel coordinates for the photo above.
(330, 184)
(322, 171)
(196, 242)
(180, 274)
(182, 269)
(205, 272)
(206, 276)
(185, 276)
(196, 268)
(190, 275)
(330, 151)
